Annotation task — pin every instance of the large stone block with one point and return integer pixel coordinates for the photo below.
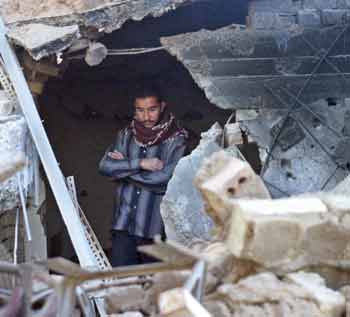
(264, 295)
(285, 235)
(182, 207)
(299, 294)
(223, 177)
(281, 234)
(273, 233)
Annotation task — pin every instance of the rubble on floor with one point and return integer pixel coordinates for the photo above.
(266, 257)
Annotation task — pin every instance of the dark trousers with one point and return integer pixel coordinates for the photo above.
(124, 249)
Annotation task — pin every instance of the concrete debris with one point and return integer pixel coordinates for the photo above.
(232, 135)
(300, 294)
(15, 10)
(245, 115)
(100, 14)
(331, 303)
(95, 54)
(314, 227)
(25, 17)
(343, 187)
(182, 207)
(274, 68)
(130, 298)
(163, 282)
(13, 139)
(6, 106)
(222, 177)
(10, 164)
(42, 40)
(260, 253)
(247, 69)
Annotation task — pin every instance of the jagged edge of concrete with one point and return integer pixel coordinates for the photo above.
(104, 19)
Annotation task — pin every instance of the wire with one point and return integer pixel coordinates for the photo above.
(128, 51)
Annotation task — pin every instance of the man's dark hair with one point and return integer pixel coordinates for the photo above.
(144, 91)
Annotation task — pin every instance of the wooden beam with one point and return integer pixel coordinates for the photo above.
(43, 67)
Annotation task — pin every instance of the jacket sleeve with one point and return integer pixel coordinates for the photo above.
(118, 169)
(176, 150)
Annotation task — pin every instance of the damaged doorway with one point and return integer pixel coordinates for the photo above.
(83, 110)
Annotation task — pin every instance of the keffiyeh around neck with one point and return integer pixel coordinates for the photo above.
(166, 128)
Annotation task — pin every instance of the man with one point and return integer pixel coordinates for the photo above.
(143, 159)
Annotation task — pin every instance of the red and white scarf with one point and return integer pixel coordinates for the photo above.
(166, 128)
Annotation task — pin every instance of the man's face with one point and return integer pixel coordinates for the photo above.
(148, 111)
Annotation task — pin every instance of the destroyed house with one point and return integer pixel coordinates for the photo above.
(264, 80)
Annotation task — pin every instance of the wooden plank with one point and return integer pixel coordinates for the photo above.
(43, 67)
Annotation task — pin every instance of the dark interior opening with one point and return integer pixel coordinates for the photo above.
(83, 110)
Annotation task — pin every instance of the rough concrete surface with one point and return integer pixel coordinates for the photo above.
(182, 206)
(283, 235)
(300, 294)
(43, 40)
(25, 9)
(311, 154)
(92, 17)
(13, 139)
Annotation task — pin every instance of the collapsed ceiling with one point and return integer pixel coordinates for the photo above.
(287, 78)
(49, 27)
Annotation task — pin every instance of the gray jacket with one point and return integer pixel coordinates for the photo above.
(139, 194)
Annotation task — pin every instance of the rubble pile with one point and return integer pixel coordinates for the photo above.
(266, 257)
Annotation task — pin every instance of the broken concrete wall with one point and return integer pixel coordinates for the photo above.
(13, 139)
(45, 28)
(68, 11)
(293, 71)
(311, 154)
(182, 207)
(16, 145)
(238, 69)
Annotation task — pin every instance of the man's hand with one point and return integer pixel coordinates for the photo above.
(116, 155)
(152, 164)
